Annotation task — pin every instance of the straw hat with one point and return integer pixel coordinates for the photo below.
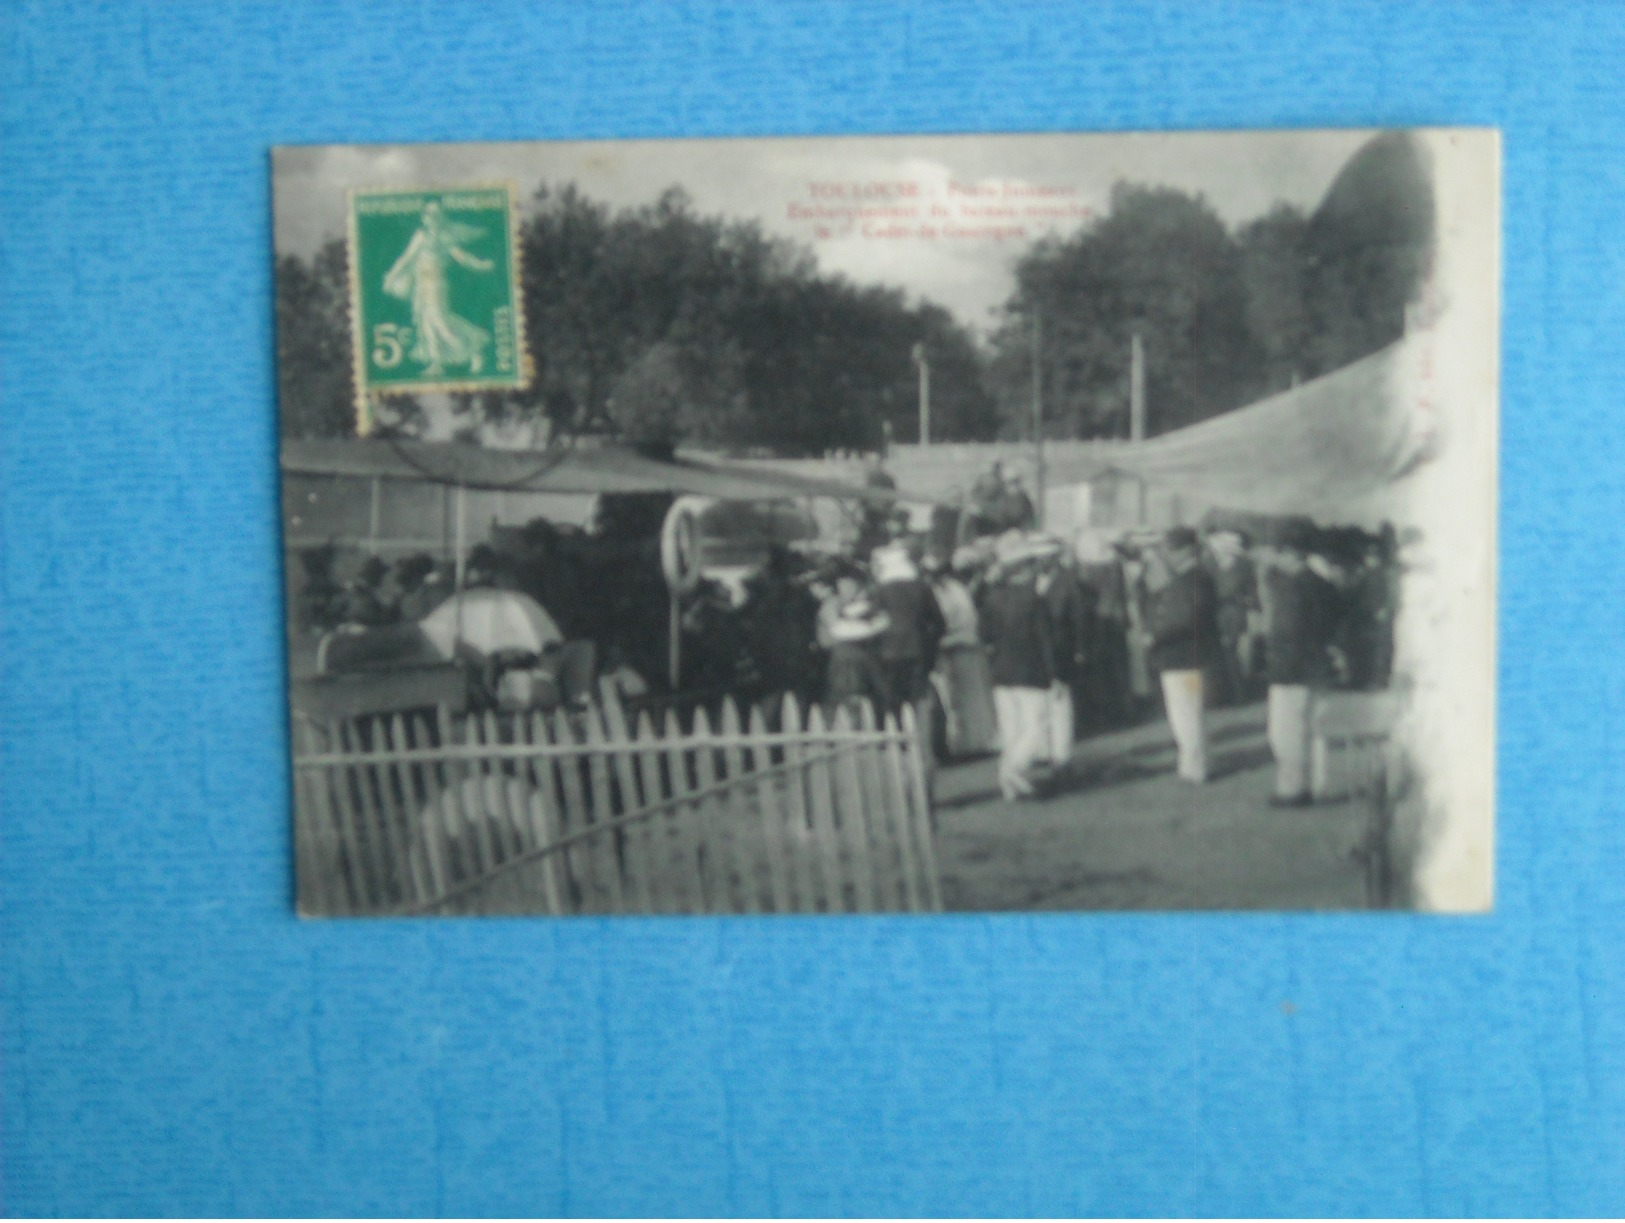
(973, 555)
(859, 621)
(892, 563)
(1016, 547)
(1093, 546)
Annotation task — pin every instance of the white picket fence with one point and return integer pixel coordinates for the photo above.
(592, 812)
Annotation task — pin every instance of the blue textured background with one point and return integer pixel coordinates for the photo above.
(174, 1041)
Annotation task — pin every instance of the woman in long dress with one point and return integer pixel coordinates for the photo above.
(440, 337)
(968, 682)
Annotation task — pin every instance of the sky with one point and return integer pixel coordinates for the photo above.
(941, 217)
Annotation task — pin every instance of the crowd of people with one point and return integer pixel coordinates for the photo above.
(998, 636)
(379, 594)
(1035, 640)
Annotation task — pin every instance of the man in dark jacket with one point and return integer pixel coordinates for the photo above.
(908, 649)
(1298, 620)
(1071, 610)
(1236, 582)
(1182, 624)
(1015, 624)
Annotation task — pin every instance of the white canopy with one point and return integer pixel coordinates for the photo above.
(1342, 448)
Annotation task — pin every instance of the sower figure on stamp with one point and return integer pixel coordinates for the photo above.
(1298, 611)
(1182, 625)
(419, 276)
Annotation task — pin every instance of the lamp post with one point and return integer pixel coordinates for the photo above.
(1136, 407)
(924, 365)
(1038, 409)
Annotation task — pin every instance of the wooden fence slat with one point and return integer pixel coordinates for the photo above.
(445, 805)
(711, 817)
(373, 782)
(341, 800)
(527, 838)
(572, 868)
(602, 808)
(309, 888)
(507, 802)
(395, 791)
(452, 810)
(594, 891)
(821, 790)
(539, 833)
(353, 832)
(743, 817)
(476, 803)
(689, 878)
(309, 897)
(432, 819)
(572, 806)
(330, 882)
(636, 844)
(798, 832)
(895, 782)
(657, 842)
(852, 821)
(882, 824)
(545, 818)
(920, 809)
(770, 815)
(490, 797)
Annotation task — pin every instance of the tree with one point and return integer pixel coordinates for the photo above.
(1160, 264)
(661, 325)
(314, 377)
(1224, 319)
(1368, 249)
(1273, 272)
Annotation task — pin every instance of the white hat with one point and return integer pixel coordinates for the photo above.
(892, 563)
(859, 621)
(1093, 546)
(1014, 547)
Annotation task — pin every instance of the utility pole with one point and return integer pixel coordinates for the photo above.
(1136, 389)
(924, 364)
(1038, 411)
(1136, 404)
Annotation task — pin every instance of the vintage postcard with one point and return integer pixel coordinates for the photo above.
(904, 524)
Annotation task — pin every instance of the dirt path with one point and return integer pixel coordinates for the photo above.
(1124, 833)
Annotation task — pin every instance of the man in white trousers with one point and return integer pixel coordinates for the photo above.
(1069, 615)
(1298, 611)
(1015, 625)
(1182, 624)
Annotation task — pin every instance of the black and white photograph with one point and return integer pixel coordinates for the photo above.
(902, 524)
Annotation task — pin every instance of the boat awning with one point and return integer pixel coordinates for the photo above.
(583, 470)
(1341, 447)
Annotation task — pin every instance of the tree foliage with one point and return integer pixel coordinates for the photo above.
(661, 325)
(315, 377)
(313, 345)
(1160, 264)
(1225, 318)
(1367, 251)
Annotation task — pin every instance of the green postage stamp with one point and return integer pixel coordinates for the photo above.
(435, 300)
